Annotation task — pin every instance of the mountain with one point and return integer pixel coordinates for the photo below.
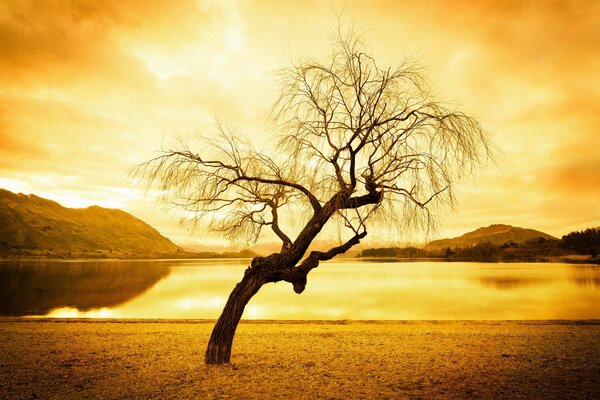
(34, 225)
(495, 234)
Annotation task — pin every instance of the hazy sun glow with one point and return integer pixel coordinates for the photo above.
(89, 90)
(68, 312)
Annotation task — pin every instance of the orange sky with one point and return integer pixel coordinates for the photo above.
(89, 89)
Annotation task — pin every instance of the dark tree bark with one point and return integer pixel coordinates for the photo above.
(221, 339)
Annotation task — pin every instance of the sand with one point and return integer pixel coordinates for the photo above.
(308, 360)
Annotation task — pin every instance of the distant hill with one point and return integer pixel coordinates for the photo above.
(495, 234)
(32, 225)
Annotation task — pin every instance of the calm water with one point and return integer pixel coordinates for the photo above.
(345, 289)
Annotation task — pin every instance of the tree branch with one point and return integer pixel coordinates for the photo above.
(373, 197)
(287, 243)
(316, 205)
(297, 275)
(334, 251)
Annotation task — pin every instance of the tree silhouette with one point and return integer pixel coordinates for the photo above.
(583, 242)
(356, 142)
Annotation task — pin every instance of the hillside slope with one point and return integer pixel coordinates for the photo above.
(31, 222)
(497, 234)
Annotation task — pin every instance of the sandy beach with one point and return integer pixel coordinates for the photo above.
(329, 360)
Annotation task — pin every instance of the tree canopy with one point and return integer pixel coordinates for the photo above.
(368, 141)
(355, 141)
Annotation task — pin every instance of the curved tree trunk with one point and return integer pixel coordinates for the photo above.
(221, 339)
(273, 268)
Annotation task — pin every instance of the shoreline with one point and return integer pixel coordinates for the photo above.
(44, 319)
(567, 259)
(62, 358)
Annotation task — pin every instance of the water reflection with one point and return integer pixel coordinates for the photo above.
(516, 276)
(342, 289)
(509, 283)
(36, 288)
(587, 276)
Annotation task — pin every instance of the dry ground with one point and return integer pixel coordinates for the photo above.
(163, 359)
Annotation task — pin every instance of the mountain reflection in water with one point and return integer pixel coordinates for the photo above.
(339, 289)
(35, 288)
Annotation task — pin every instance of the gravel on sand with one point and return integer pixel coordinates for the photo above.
(307, 359)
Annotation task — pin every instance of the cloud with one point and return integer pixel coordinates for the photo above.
(88, 89)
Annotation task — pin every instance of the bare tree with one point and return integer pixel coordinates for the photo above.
(356, 142)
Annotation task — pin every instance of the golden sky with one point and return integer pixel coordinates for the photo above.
(90, 88)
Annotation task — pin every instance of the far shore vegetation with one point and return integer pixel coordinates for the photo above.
(7, 252)
(578, 246)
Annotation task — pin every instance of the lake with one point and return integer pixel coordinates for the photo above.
(338, 289)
